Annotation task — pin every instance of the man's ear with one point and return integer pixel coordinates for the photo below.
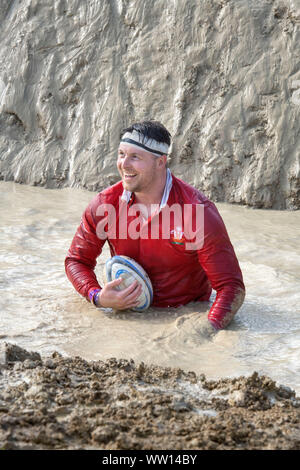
(162, 161)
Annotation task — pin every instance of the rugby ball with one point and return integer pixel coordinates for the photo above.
(130, 270)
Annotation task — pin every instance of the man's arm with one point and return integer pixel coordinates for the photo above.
(81, 261)
(218, 259)
(83, 253)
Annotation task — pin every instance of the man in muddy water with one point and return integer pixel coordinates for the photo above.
(166, 225)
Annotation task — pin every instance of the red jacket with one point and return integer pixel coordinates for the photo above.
(178, 275)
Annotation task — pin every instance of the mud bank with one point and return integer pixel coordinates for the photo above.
(69, 403)
(222, 75)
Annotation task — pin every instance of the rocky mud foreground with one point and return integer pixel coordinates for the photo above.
(69, 403)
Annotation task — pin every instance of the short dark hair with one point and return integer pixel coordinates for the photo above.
(151, 129)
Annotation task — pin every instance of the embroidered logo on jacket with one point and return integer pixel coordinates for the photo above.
(177, 236)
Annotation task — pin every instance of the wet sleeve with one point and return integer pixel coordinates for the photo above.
(85, 248)
(219, 261)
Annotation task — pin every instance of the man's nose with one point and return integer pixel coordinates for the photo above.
(126, 162)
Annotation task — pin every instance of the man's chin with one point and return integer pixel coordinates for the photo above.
(130, 185)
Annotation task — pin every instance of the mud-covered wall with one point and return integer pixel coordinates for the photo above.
(223, 76)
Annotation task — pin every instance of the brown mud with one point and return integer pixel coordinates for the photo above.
(223, 76)
(69, 403)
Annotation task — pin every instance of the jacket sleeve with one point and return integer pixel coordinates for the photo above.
(218, 259)
(86, 246)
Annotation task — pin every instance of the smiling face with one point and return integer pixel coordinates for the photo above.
(138, 168)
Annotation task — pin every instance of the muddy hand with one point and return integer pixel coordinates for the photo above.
(204, 328)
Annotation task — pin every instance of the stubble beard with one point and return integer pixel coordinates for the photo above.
(140, 185)
(131, 186)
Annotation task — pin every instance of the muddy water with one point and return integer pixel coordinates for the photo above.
(40, 310)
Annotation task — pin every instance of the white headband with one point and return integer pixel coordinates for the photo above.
(142, 142)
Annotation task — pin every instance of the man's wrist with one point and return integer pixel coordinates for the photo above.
(94, 295)
(214, 324)
(96, 299)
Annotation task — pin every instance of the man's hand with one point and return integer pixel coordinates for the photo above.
(193, 328)
(111, 297)
(204, 327)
